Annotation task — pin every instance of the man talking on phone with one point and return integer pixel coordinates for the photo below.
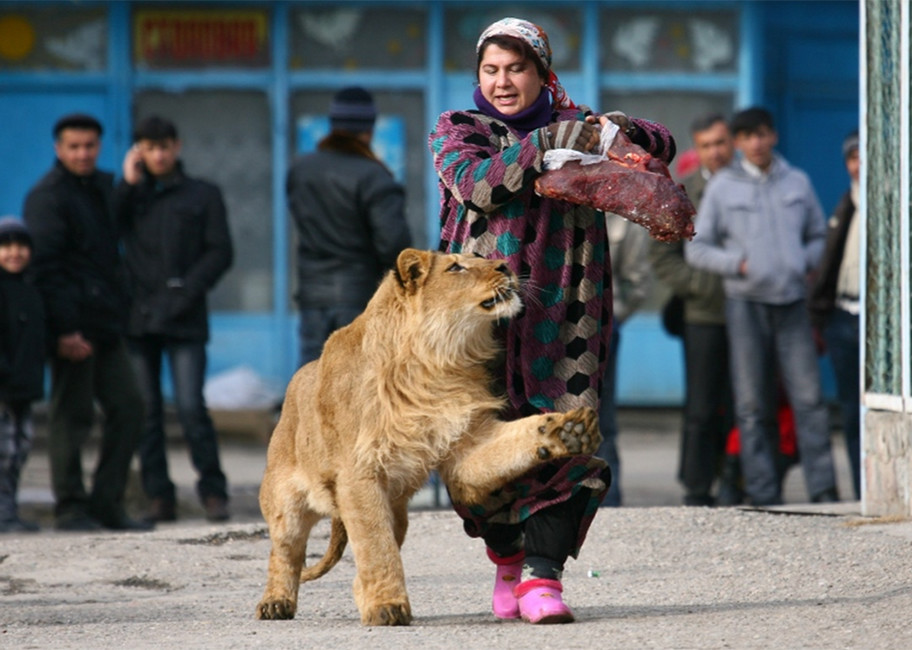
(177, 246)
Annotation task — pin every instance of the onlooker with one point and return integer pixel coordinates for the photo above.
(835, 307)
(708, 415)
(177, 246)
(22, 355)
(762, 228)
(630, 279)
(555, 352)
(78, 269)
(350, 218)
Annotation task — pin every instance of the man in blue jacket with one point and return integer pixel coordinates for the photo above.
(178, 245)
(761, 227)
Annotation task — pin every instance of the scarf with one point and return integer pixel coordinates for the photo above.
(534, 117)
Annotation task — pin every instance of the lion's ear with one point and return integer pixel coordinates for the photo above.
(412, 268)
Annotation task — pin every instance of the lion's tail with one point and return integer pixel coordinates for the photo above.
(338, 538)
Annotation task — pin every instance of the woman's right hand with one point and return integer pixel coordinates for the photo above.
(569, 134)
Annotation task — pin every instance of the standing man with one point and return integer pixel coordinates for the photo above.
(761, 227)
(835, 306)
(707, 403)
(77, 268)
(350, 217)
(177, 247)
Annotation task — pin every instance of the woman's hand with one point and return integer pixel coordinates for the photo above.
(569, 134)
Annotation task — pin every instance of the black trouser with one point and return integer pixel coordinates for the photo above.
(548, 536)
(708, 409)
(107, 377)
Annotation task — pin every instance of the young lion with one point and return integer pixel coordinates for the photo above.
(400, 391)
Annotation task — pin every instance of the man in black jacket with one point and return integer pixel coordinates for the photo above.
(177, 247)
(350, 217)
(77, 268)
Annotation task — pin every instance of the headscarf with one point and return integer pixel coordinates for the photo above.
(536, 37)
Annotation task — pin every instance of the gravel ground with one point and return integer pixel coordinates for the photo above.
(646, 578)
(649, 575)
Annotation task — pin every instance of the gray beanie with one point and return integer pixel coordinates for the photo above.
(353, 110)
(850, 144)
(12, 229)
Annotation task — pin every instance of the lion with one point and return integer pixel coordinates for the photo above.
(402, 390)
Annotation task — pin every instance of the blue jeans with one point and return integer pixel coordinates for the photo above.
(608, 426)
(318, 323)
(764, 339)
(841, 335)
(187, 360)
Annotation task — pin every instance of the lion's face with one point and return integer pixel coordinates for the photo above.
(472, 285)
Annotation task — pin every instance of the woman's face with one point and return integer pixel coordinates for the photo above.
(510, 83)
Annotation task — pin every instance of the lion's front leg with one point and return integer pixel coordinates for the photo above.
(502, 451)
(375, 533)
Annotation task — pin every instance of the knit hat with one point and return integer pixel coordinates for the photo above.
(12, 229)
(353, 110)
(850, 144)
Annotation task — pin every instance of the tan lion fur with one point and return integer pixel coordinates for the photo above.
(399, 392)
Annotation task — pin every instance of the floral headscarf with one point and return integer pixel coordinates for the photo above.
(536, 37)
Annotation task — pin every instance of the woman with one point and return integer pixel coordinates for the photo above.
(555, 352)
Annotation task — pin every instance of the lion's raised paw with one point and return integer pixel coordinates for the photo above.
(574, 432)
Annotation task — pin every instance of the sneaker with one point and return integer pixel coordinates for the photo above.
(161, 510)
(216, 509)
(16, 525)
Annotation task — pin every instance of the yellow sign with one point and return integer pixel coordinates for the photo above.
(17, 37)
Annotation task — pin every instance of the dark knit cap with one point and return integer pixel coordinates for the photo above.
(850, 144)
(352, 109)
(12, 229)
(77, 121)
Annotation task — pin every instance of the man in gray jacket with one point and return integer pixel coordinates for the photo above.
(350, 217)
(762, 228)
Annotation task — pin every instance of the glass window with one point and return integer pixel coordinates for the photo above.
(352, 38)
(236, 155)
(399, 141)
(678, 41)
(176, 38)
(676, 110)
(464, 26)
(50, 39)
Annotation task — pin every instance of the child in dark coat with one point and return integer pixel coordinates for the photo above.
(22, 354)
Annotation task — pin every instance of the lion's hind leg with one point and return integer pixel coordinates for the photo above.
(289, 530)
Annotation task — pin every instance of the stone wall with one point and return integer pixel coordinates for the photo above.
(887, 463)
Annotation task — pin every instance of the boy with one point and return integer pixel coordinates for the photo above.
(22, 347)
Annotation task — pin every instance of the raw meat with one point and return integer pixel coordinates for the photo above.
(629, 182)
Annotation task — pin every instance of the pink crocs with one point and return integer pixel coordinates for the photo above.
(509, 569)
(540, 601)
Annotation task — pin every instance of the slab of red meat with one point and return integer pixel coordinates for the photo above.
(631, 183)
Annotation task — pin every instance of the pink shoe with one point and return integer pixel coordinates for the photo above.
(540, 601)
(509, 569)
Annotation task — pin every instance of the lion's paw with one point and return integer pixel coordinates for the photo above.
(388, 614)
(571, 433)
(276, 610)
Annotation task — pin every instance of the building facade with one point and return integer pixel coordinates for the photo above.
(249, 83)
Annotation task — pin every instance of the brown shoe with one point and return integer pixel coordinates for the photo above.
(216, 509)
(161, 510)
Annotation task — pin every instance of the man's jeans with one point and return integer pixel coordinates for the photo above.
(841, 335)
(187, 360)
(318, 323)
(765, 339)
